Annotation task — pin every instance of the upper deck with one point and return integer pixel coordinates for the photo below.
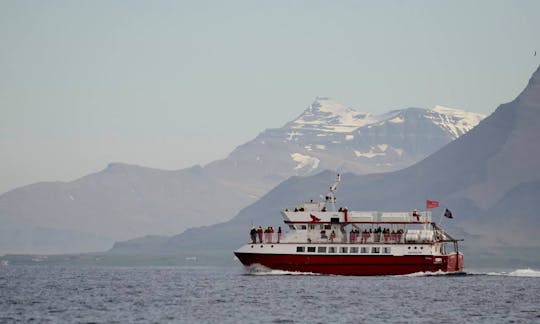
(315, 215)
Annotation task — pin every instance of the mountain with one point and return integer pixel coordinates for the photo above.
(328, 135)
(489, 178)
(126, 201)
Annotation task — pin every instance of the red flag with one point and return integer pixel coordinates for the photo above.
(314, 218)
(431, 204)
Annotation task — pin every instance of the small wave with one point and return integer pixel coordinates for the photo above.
(517, 273)
(432, 274)
(260, 270)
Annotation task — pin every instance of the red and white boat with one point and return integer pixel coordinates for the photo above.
(347, 242)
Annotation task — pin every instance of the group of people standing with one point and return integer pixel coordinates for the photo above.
(386, 234)
(267, 233)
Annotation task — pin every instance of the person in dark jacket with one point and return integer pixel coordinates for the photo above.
(253, 234)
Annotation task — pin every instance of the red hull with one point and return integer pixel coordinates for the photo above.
(358, 265)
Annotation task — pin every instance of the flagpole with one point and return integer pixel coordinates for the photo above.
(440, 217)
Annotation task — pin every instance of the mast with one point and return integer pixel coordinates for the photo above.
(330, 196)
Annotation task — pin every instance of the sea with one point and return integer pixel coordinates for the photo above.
(234, 294)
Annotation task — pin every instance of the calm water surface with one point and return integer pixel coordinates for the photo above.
(231, 295)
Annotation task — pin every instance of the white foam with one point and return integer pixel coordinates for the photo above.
(260, 270)
(517, 273)
(429, 274)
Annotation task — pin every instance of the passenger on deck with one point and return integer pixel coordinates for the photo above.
(351, 236)
(365, 236)
(332, 236)
(398, 234)
(416, 214)
(260, 234)
(253, 234)
(323, 234)
(279, 234)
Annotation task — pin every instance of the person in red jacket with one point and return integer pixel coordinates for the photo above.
(260, 234)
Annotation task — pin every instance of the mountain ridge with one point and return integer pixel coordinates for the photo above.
(124, 201)
(495, 155)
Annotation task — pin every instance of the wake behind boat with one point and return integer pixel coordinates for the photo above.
(347, 242)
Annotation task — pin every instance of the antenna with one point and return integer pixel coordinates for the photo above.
(331, 197)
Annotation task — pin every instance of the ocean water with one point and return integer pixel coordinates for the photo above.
(60, 294)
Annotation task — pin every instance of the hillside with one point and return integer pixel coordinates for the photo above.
(127, 201)
(489, 178)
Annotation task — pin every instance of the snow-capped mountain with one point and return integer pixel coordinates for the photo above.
(489, 178)
(329, 135)
(327, 115)
(125, 201)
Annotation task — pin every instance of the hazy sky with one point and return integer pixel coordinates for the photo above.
(169, 84)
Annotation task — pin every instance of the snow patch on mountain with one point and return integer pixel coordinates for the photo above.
(327, 115)
(370, 154)
(305, 161)
(457, 122)
(293, 135)
(397, 120)
(382, 147)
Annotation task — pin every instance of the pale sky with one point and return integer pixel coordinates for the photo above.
(170, 84)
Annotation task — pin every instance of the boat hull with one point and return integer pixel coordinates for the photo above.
(358, 265)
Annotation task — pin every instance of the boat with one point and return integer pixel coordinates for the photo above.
(323, 240)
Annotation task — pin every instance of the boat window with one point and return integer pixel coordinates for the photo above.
(327, 226)
(291, 227)
(321, 249)
(321, 226)
(375, 250)
(332, 249)
(299, 249)
(343, 249)
(386, 250)
(353, 249)
(311, 249)
(303, 227)
(364, 250)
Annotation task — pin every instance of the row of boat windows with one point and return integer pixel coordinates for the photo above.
(343, 249)
(346, 249)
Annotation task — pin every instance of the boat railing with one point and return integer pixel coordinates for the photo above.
(408, 236)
